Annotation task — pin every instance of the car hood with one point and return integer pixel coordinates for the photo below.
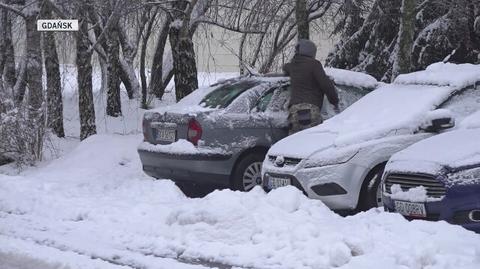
(455, 149)
(300, 145)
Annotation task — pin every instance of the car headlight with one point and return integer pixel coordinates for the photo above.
(330, 157)
(465, 177)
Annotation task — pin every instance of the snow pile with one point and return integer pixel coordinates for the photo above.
(96, 202)
(351, 78)
(416, 195)
(443, 74)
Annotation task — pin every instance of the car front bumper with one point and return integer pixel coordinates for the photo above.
(453, 208)
(338, 186)
(212, 169)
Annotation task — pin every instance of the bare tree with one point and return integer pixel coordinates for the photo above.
(84, 77)
(7, 60)
(158, 79)
(301, 14)
(54, 85)
(184, 63)
(149, 18)
(114, 106)
(29, 11)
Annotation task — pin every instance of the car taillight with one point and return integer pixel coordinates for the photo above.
(194, 131)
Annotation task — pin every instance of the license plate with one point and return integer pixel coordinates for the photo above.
(165, 135)
(277, 182)
(410, 209)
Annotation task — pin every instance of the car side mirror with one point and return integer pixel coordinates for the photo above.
(438, 120)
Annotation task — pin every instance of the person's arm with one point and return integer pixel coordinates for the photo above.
(326, 85)
(286, 69)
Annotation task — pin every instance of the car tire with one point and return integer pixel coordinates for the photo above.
(248, 172)
(193, 190)
(370, 194)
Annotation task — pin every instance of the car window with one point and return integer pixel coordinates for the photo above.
(224, 96)
(347, 94)
(274, 100)
(464, 103)
(264, 101)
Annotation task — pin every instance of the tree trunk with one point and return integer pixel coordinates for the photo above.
(8, 69)
(21, 82)
(301, 13)
(406, 37)
(104, 74)
(241, 57)
(156, 85)
(127, 76)
(84, 82)
(54, 85)
(34, 73)
(143, 52)
(114, 106)
(3, 13)
(34, 64)
(126, 63)
(184, 63)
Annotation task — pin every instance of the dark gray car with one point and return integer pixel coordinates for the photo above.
(219, 136)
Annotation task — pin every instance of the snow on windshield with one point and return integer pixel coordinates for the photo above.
(397, 109)
(443, 74)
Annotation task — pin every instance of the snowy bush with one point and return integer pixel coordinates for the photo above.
(21, 135)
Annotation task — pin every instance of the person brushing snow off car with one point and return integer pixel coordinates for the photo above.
(309, 85)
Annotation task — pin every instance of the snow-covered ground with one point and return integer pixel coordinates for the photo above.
(89, 205)
(96, 202)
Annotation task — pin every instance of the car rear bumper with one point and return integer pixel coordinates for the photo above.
(338, 186)
(195, 168)
(453, 208)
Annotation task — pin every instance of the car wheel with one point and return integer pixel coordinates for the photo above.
(371, 192)
(192, 190)
(248, 172)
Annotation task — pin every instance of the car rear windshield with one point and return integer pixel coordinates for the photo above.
(224, 96)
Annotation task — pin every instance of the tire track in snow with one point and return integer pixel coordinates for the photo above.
(116, 259)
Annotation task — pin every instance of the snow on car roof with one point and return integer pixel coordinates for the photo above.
(443, 74)
(351, 78)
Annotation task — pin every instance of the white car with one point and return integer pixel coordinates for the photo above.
(342, 160)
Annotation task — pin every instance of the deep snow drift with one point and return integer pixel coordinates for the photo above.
(97, 202)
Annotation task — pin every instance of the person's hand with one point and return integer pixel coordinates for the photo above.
(336, 109)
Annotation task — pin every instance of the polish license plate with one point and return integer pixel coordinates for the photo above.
(277, 182)
(165, 135)
(410, 209)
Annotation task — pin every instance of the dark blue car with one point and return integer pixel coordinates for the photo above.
(438, 178)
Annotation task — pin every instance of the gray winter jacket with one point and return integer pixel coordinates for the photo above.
(309, 82)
